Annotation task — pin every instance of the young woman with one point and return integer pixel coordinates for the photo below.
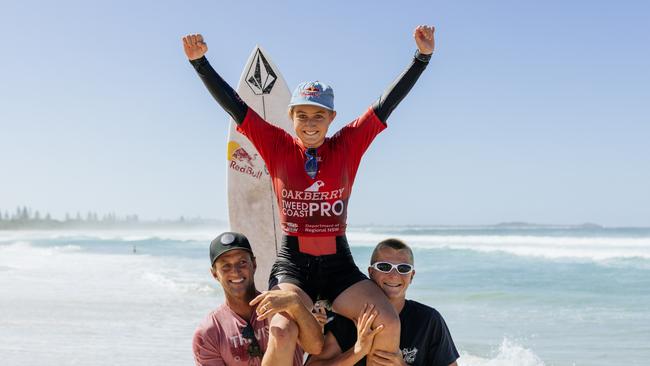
(312, 178)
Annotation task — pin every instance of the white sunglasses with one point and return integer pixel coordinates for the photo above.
(386, 267)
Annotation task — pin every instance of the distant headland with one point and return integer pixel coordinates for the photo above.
(24, 218)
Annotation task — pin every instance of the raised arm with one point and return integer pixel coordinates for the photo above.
(424, 40)
(195, 49)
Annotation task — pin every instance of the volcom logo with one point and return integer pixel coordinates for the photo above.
(316, 186)
(409, 354)
(260, 76)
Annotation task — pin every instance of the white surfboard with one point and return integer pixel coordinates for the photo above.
(251, 202)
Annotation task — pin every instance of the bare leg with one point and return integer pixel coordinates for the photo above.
(350, 302)
(283, 332)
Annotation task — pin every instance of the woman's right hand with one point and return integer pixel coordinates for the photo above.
(194, 46)
(365, 334)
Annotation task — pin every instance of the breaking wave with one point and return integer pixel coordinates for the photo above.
(553, 247)
(508, 354)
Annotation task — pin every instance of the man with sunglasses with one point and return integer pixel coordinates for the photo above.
(234, 333)
(424, 336)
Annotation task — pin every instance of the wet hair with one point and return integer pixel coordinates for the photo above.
(393, 244)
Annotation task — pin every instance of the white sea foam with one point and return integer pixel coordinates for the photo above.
(508, 354)
(202, 235)
(77, 304)
(68, 267)
(598, 248)
(594, 248)
(69, 306)
(15, 255)
(178, 285)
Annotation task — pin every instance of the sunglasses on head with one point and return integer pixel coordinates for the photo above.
(402, 268)
(254, 349)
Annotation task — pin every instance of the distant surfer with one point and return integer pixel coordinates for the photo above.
(315, 259)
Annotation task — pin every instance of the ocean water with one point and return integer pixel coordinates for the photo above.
(510, 296)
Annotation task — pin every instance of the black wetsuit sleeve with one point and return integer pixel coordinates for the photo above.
(394, 94)
(220, 90)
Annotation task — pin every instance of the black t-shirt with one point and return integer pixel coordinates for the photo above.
(424, 338)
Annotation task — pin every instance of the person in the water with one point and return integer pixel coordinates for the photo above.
(312, 177)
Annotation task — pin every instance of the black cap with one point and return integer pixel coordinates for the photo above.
(226, 242)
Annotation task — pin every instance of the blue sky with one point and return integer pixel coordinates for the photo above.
(529, 111)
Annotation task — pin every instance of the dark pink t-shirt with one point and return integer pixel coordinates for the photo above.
(218, 340)
(312, 206)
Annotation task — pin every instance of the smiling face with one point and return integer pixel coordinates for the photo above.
(393, 284)
(311, 123)
(235, 272)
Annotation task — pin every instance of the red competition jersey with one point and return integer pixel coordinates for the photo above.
(318, 206)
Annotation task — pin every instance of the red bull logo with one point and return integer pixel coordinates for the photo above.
(243, 156)
(238, 153)
(242, 161)
(310, 91)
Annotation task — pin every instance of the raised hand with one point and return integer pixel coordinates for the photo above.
(423, 35)
(194, 46)
(365, 334)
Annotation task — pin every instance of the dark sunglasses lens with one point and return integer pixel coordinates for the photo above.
(404, 268)
(254, 350)
(384, 267)
(247, 332)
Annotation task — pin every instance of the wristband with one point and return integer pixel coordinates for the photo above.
(422, 57)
